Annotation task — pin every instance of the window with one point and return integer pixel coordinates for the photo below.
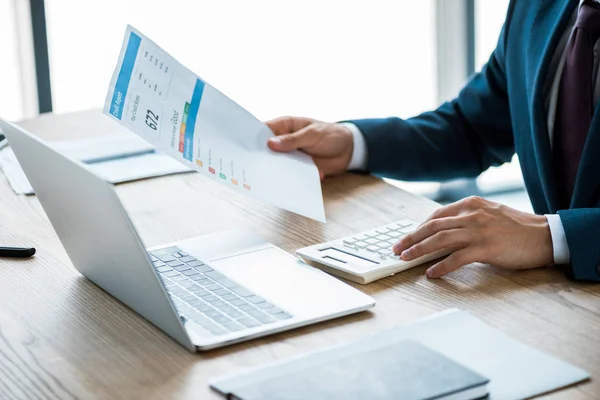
(11, 94)
(489, 18)
(330, 60)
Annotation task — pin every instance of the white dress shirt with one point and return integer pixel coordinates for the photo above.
(358, 161)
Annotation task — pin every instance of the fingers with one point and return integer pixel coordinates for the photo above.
(285, 125)
(305, 137)
(452, 262)
(426, 230)
(453, 238)
(450, 210)
(456, 208)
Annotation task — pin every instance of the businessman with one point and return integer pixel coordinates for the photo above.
(536, 96)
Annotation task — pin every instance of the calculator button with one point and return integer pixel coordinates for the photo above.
(254, 299)
(248, 322)
(282, 315)
(164, 257)
(174, 263)
(404, 222)
(261, 316)
(232, 326)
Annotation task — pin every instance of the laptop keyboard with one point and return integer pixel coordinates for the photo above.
(208, 297)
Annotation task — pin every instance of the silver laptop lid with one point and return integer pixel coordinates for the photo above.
(95, 230)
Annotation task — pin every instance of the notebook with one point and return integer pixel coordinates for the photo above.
(515, 370)
(404, 370)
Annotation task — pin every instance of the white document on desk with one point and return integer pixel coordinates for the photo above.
(173, 109)
(115, 158)
(515, 370)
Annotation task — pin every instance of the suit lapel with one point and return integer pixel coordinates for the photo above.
(556, 15)
(587, 182)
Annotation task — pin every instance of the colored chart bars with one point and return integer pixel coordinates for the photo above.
(222, 175)
(186, 110)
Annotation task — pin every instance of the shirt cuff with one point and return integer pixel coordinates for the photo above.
(560, 247)
(358, 161)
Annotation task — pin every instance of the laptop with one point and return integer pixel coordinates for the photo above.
(205, 292)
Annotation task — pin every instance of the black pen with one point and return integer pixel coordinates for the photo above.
(17, 252)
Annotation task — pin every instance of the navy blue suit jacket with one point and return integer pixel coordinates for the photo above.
(499, 112)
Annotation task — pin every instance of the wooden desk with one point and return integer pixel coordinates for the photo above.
(63, 337)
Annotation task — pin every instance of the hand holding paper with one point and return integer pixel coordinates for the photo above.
(172, 108)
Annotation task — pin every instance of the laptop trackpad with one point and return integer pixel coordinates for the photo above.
(285, 281)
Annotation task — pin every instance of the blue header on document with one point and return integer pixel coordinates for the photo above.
(118, 100)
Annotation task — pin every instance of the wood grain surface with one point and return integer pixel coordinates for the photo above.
(62, 337)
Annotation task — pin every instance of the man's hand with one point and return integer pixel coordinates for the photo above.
(478, 230)
(330, 145)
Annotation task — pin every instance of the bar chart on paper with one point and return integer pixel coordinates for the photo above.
(176, 111)
(226, 169)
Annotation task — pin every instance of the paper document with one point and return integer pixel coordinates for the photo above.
(115, 158)
(14, 173)
(104, 148)
(166, 104)
(515, 370)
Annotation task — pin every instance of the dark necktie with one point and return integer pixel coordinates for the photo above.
(575, 106)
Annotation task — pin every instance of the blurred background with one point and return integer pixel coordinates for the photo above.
(327, 59)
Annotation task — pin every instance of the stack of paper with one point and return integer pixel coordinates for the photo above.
(14, 173)
(116, 158)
